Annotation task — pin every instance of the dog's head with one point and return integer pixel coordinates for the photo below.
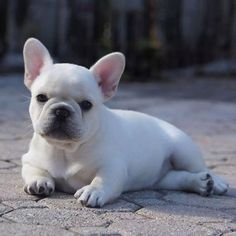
(67, 99)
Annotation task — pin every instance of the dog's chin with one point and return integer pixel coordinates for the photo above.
(61, 136)
(61, 139)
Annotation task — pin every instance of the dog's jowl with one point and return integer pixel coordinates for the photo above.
(82, 147)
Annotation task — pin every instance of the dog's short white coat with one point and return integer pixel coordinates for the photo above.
(116, 151)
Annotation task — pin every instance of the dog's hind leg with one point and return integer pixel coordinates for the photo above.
(186, 155)
(190, 172)
(201, 183)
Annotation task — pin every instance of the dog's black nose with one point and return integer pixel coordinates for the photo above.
(62, 113)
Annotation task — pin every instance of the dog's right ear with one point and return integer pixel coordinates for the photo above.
(36, 57)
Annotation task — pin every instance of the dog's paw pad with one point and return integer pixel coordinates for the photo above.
(29, 189)
(90, 196)
(204, 184)
(40, 187)
(208, 176)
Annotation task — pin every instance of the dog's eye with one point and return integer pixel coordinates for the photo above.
(42, 98)
(85, 105)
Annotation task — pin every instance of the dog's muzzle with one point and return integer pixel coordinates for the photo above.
(61, 124)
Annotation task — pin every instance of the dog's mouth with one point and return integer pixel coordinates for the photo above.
(60, 131)
(57, 134)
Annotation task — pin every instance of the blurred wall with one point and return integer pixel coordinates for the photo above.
(153, 34)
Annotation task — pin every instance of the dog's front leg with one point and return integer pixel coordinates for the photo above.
(37, 181)
(107, 185)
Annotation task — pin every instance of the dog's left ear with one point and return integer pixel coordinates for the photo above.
(107, 71)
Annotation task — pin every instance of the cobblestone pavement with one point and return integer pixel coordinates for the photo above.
(205, 108)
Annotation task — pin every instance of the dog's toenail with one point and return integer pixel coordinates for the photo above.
(82, 202)
(50, 190)
(31, 190)
(41, 189)
(208, 176)
(209, 190)
(209, 183)
(25, 189)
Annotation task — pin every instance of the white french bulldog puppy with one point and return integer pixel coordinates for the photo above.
(82, 147)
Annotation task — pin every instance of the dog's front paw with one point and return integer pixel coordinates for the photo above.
(41, 186)
(91, 196)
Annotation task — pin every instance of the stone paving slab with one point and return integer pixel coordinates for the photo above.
(213, 202)
(66, 201)
(9, 228)
(205, 108)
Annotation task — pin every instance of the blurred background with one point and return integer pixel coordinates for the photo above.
(181, 67)
(159, 37)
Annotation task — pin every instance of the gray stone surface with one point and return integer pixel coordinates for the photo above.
(4, 209)
(24, 204)
(205, 108)
(12, 229)
(66, 201)
(144, 198)
(156, 227)
(55, 217)
(7, 165)
(213, 202)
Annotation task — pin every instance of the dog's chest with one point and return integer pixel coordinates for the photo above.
(70, 174)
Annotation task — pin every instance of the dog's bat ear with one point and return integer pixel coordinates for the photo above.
(107, 71)
(36, 57)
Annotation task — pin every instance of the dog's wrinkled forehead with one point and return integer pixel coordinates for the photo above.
(67, 81)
